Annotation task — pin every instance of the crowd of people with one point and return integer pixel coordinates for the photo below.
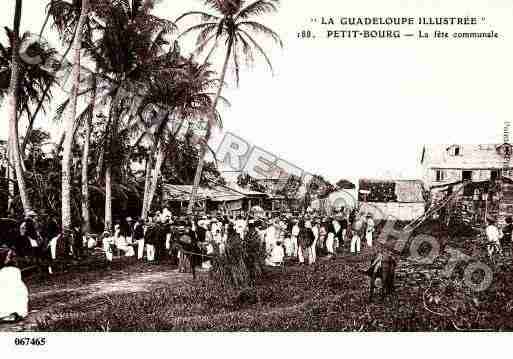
(191, 241)
(303, 237)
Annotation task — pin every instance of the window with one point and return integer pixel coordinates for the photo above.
(466, 175)
(440, 175)
(454, 150)
(495, 175)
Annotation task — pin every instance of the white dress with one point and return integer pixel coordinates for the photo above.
(14, 298)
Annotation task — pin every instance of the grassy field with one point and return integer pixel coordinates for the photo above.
(331, 295)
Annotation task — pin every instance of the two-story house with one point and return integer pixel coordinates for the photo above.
(443, 164)
(484, 169)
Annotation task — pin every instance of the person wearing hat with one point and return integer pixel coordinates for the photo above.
(129, 229)
(357, 230)
(314, 226)
(240, 226)
(493, 237)
(166, 213)
(506, 235)
(29, 243)
(369, 230)
(108, 245)
(294, 233)
(337, 229)
(138, 237)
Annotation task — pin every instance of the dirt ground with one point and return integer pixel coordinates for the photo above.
(84, 289)
(88, 287)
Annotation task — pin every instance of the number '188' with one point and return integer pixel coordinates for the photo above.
(305, 34)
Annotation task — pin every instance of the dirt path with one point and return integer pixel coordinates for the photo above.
(44, 299)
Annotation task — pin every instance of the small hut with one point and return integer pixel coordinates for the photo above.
(400, 199)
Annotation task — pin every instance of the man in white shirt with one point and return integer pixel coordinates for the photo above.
(493, 237)
(337, 234)
(240, 226)
(293, 237)
(369, 232)
(357, 230)
(272, 235)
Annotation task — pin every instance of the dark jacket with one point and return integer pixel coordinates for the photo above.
(305, 238)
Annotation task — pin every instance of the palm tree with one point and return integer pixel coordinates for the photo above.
(184, 96)
(86, 226)
(70, 123)
(65, 17)
(31, 80)
(12, 107)
(233, 22)
(129, 54)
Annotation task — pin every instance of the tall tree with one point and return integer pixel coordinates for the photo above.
(233, 22)
(32, 78)
(86, 221)
(129, 53)
(12, 108)
(69, 124)
(183, 96)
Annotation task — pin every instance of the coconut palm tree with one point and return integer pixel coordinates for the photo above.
(65, 17)
(12, 107)
(129, 54)
(69, 123)
(184, 96)
(32, 78)
(31, 81)
(234, 22)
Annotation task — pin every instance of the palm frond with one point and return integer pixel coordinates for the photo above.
(59, 112)
(259, 7)
(260, 28)
(197, 27)
(259, 49)
(205, 17)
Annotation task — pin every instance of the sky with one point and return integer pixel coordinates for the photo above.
(346, 108)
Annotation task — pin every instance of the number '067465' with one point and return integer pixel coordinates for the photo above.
(27, 341)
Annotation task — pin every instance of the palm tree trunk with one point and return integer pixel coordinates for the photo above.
(70, 123)
(11, 179)
(147, 182)
(12, 106)
(155, 175)
(108, 197)
(86, 224)
(203, 150)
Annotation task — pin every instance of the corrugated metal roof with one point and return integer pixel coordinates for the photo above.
(216, 194)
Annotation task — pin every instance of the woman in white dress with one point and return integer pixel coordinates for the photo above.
(14, 297)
